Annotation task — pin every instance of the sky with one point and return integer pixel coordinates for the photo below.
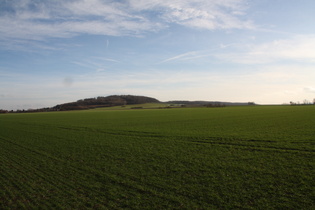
(53, 52)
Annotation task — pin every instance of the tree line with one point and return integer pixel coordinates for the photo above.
(305, 102)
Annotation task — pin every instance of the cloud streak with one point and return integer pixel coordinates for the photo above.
(309, 89)
(192, 55)
(299, 48)
(39, 20)
(181, 56)
(204, 14)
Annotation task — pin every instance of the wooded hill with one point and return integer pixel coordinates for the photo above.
(122, 100)
(108, 101)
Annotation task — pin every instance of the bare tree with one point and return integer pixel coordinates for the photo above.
(306, 101)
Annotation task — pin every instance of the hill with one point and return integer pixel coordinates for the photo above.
(108, 101)
(123, 100)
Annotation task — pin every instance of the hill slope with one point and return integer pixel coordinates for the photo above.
(108, 101)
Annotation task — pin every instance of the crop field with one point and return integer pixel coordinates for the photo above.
(250, 157)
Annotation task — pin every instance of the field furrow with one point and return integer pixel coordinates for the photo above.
(258, 157)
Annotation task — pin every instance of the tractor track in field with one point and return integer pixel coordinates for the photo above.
(254, 147)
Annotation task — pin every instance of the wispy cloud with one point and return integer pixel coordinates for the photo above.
(204, 14)
(99, 64)
(108, 59)
(299, 48)
(180, 56)
(192, 55)
(309, 89)
(39, 20)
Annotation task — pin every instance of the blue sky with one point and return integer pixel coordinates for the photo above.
(53, 52)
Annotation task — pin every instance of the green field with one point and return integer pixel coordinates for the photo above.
(251, 157)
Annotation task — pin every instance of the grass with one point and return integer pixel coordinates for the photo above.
(141, 106)
(259, 157)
